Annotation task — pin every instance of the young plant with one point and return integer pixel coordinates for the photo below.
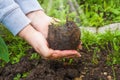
(17, 47)
(17, 77)
(34, 56)
(95, 56)
(88, 39)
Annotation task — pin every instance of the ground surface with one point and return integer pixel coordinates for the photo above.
(86, 67)
(80, 69)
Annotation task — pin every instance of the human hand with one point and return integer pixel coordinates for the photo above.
(40, 21)
(38, 42)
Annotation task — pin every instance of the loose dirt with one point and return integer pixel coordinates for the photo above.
(80, 69)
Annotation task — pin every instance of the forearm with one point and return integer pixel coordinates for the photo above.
(12, 16)
(29, 5)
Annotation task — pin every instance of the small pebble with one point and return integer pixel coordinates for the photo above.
(109, 77)
(80, 78)
(105, 73)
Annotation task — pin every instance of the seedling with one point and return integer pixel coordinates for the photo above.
(95, 56)
(18, 76)
(35, 56)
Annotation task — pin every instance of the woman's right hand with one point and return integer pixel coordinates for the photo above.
(39, 43)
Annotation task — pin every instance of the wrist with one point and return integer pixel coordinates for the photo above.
(26, 31)
(32, 14)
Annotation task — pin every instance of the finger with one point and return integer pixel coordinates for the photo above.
(67, 53)
(59, 57)
(70, 53)
(72, 56)
(80, 46)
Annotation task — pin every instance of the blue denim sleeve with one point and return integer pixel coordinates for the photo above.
(29, 5)
(12, 16)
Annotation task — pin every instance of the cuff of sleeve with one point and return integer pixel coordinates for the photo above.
(29, 6)
(15, 21)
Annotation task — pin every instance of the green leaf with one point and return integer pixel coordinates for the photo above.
(4, 55)
(115, 11)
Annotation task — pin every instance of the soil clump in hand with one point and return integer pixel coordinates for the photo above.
(65, 37)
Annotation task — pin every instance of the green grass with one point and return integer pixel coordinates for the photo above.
(108, 42)
(101, 12)
(114, 73)
(90, 12)
(16, 46)
(58, 9)
(19, 76)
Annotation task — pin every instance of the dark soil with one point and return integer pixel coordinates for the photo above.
(41, 69)
(80, 69)
(83, 68)
(64, 37)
